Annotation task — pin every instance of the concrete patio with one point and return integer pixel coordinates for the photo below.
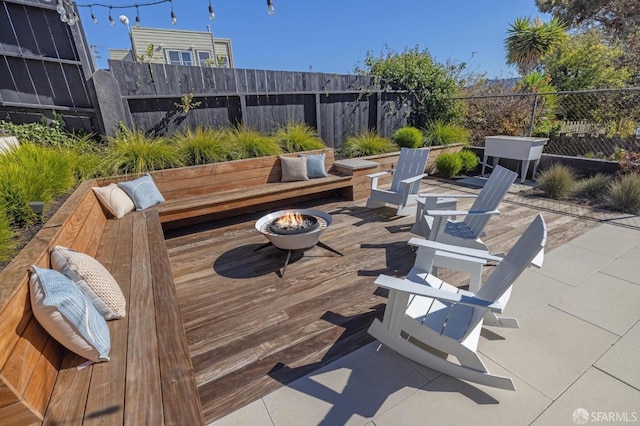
(574, 360)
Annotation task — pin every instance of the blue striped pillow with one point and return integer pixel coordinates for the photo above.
(68, 315)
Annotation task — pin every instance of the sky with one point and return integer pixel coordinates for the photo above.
(331, 36)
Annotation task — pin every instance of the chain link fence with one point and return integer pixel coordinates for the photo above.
(594, 123)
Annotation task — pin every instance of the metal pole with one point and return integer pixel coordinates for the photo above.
(533, 113)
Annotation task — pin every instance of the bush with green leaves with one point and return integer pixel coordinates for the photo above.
(132, 151)
(593, 188)
(296, 137)
(624, 194)
(367, 143)
(49, 132)
(408, 137)
(8, 240)
(32, 173)
(469, 161)
(557, 181)
(448, 164)
(440, 133)
(205, 145)
(251, 143)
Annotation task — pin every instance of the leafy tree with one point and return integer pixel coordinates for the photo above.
(530, 40)
(431, 85)
(615, 17)
(584, 61)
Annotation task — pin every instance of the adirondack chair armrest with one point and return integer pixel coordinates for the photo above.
(459, 212)
(413, 179)
(462, 297)
(449, 248)
(432, 195)
(378, 174)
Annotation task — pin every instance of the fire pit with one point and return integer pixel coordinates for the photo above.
(290, 230)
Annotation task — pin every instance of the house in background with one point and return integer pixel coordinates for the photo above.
(178, 47)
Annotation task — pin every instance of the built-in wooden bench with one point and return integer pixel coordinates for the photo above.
(149, 379)
(194, 194)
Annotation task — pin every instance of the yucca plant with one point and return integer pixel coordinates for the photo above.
(205, 145)
(441, 133)
(624, 194)
(32, 173)
(8, 240)
(367, 143)
(251, 143)
(408, 137)
(296, 137)
(557, 181)
(134, 152)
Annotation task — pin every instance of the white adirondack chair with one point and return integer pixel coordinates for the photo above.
(449, 320)
(405, 185)
(436, 226)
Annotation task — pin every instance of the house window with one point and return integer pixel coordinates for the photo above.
(179, 57)
(223, 61)
(204, 58)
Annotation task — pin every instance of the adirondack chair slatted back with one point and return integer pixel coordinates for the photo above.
(518, 258)
(412, 162)
(489, 198)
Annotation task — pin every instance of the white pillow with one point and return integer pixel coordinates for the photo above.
(114, 199)
(68, 315)
(93, 279)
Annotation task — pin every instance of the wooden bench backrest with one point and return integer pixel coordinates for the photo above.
(29, 357)
(195, 180)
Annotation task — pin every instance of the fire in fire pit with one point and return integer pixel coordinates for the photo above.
(290, 230)
(294, 223)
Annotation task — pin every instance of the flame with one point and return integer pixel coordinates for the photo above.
(291, 220)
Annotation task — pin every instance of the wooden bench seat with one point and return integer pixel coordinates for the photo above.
(149, 378)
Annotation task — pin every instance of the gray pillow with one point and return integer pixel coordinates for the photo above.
(315, 166)
(293, 169)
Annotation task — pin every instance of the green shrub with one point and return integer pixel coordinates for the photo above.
(557, 181)
(7, 239)
(408, 137)
(204, 146)
(85, 157)
(592, 188)
(448, 164)
(367, 143)
(624, 194)
(469, 161)
(296, 137)
(250, 143)
(134, 152)
(51, 134)
(32, 173)
(441, 133)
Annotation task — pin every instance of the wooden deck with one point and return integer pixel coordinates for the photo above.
(250, 331)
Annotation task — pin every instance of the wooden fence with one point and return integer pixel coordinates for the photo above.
(337, 106)
(44, 66)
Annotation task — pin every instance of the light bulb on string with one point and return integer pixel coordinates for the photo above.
(270, 9)
(174, 20)
(93, 17)
(111, 21)
(60, 8)
(212, 14)
(137, 24)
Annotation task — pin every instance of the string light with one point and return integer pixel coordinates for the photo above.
(137, 17)
(173, 15)
(212, 15)
(67, 12)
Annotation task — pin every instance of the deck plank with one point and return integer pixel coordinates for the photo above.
(250, 331)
